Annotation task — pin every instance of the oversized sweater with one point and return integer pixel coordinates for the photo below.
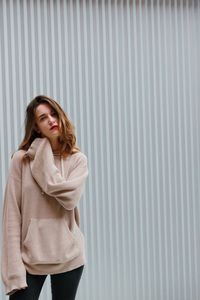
(41, 231)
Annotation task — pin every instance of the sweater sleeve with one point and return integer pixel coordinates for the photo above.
(67, 191)
(12, 268)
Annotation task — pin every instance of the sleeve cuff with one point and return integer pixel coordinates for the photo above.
(14, 287)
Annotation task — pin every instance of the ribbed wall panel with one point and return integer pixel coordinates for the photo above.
(127, 73)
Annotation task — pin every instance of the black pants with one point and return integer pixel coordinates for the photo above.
(63, 286)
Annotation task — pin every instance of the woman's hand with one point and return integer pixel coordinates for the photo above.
(33, 148)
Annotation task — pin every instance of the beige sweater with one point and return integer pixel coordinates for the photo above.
(40, 218)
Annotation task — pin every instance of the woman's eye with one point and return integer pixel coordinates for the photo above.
(42, 118)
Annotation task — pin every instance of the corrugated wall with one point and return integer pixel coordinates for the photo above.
(127, 73)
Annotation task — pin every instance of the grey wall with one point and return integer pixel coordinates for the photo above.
(127, 73)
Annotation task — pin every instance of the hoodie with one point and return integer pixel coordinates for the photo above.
(41, 231)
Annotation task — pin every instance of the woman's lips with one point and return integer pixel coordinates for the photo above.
(54, 127)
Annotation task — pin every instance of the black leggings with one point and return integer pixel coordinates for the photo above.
(63, 286)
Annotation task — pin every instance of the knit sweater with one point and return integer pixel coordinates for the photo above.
(41, 231)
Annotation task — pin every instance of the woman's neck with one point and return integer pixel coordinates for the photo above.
(55, 145)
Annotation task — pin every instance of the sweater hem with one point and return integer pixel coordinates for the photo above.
(51, 269)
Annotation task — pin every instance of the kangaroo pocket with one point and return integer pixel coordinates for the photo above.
(49, 241)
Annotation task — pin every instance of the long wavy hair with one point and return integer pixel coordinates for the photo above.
(67, 138)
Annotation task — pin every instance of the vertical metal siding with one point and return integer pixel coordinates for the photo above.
(126, 72)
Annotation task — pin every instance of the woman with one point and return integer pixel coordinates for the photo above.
(41, 232)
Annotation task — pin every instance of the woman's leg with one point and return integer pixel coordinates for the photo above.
(64, 285)
(32, 292)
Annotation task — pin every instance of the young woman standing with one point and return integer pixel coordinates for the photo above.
(41, 234)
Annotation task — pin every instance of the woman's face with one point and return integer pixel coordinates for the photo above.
(47, 121)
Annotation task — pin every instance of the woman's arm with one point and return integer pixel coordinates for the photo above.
(66, 191)
(12, 267)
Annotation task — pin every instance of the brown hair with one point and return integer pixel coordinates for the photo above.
(67, 139)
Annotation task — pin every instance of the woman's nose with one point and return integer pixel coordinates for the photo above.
(51, 120)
